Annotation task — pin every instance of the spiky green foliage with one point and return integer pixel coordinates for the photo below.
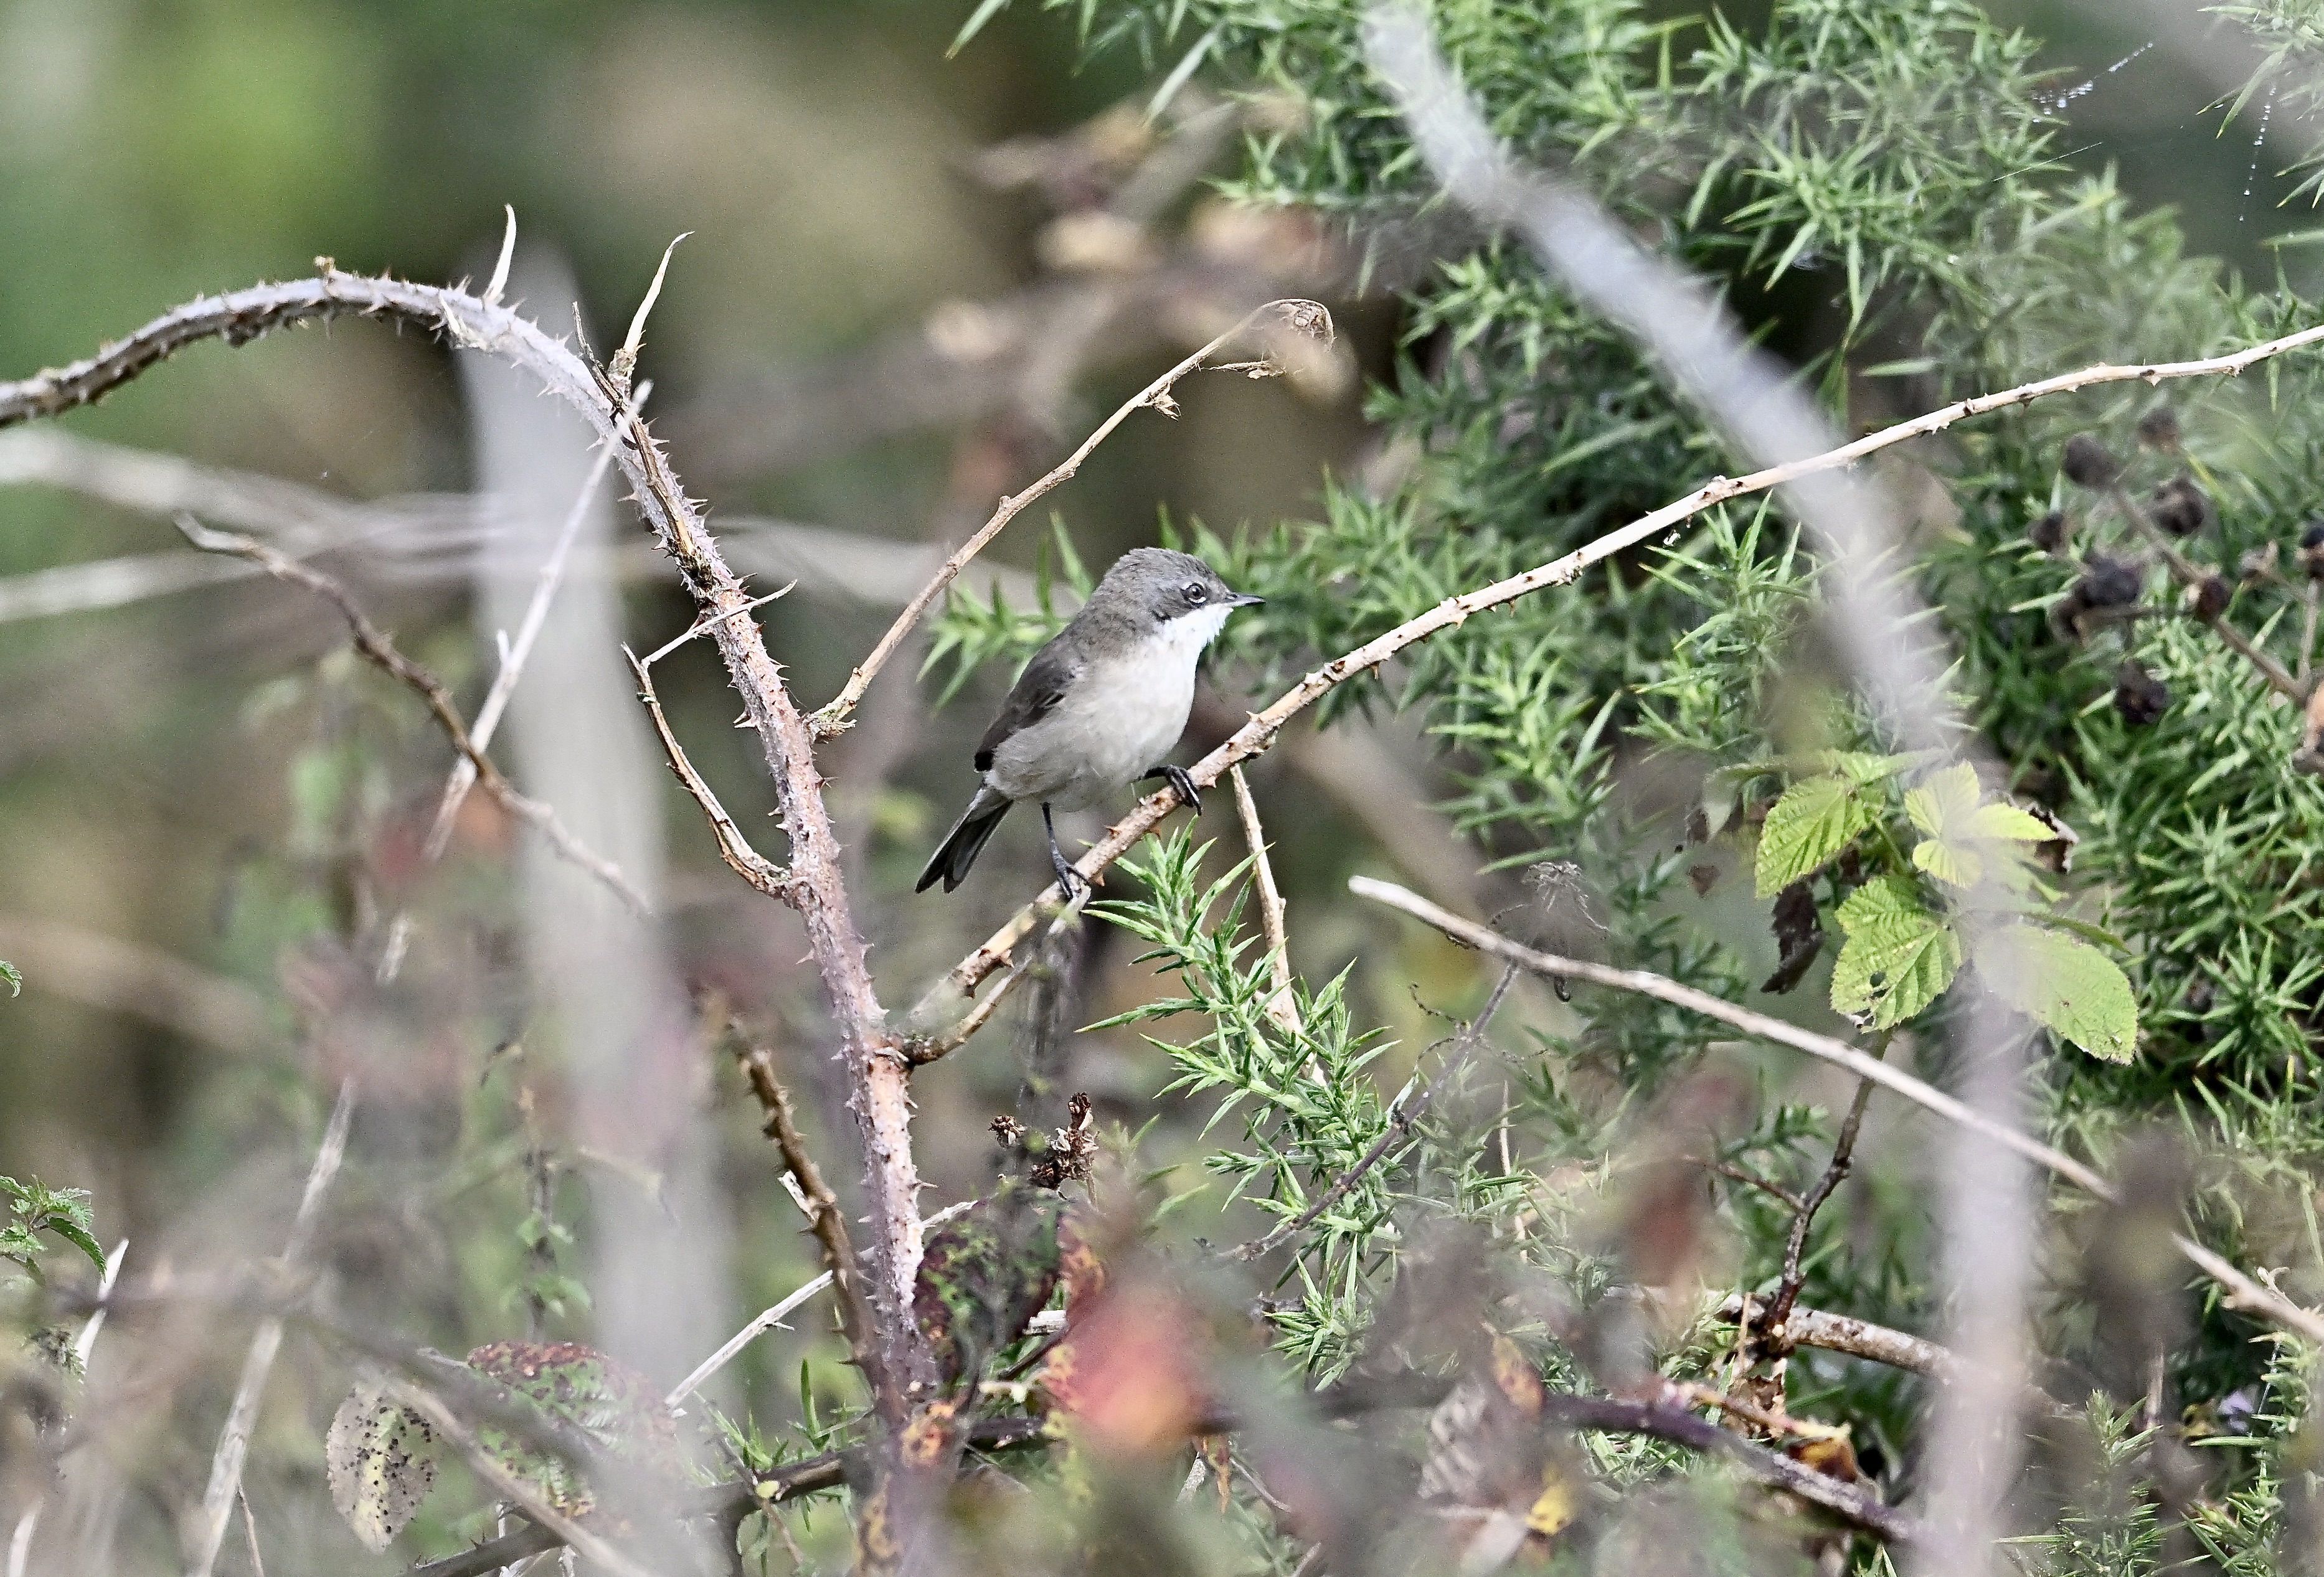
(1873, 183)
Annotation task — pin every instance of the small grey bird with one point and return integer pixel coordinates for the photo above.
(1098, 706)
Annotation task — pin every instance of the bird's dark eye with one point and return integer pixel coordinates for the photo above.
(1195, 592)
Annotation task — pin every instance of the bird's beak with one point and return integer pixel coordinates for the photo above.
(1244, 600)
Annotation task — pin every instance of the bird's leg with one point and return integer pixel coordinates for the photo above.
(1183, 781)
(1066, 875)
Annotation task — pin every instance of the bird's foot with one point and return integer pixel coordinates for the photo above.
(1066, 875)
(1183, 783)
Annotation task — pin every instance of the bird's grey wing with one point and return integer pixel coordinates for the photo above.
(1034, 697)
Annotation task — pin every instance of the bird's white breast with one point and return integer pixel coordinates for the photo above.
(1120, 718)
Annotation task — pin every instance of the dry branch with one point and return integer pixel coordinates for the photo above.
(2241, 1291)
(1281, 1006)
(1310, 320)
(733, 847)
(876, 1070)
(376, 647)
(858, 1321)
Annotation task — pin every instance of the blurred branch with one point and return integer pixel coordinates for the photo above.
(857, 1319)
(376, 646)
(516, 652)
(2241, 1291)
(1296, 318)
(233, 1440)
(1280, 1006)
(509, 1486)
(1399, 1125)
(124, 977)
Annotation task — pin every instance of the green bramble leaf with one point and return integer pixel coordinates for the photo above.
(1959, 833)
(1815, 819)
(15, 981)
(1899, 957)
(2064, 984)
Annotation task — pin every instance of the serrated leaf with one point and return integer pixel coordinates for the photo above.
(1957, 829)
(380, 1458)
(615, 1405)
(1899, 957)
(1814, 820)
(1943, 799)
(2064, 984)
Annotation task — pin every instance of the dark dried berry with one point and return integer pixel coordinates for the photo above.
(2159, 429)
(2180, 508)
(2139, 695)
(2311, 550)
(2109, 583)
(2089, 464)
(2208, 599)
(2050, 533)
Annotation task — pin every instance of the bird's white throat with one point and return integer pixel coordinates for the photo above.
(1184, 637)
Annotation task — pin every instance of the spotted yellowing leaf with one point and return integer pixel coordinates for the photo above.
(381, 1460)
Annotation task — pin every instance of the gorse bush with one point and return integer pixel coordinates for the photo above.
(1877, 188)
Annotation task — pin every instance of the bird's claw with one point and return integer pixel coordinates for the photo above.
(1183, 783)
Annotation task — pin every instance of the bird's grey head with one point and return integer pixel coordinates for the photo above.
(1159, 587)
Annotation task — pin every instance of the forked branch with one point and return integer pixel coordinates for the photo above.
(379, 648)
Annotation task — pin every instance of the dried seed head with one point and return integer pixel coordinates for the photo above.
(2090, 464)
(2109, 583)
(2139, 695)
(2180, 508)
(2258, 564)
(2050, 533)
(2311, 550)
(2208, 600)
(2159, 429)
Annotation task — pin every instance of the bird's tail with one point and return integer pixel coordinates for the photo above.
(967, 840)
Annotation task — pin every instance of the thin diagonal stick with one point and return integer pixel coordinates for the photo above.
(373, 644)
(1280, 1005)
(2243, 1292)
(528, 632)
(1309, 318)
(234, 1442)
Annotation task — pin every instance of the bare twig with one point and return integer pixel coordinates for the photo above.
(1858, 1339)
(1843, 1157)
(250, 1531)
(1308, 319)
(376, 646)
(509, 1486)
(2241, 1291)
(768, 1319)
(2189, 574)
(1280, 1005)
(857, 1318)
(234, 1441)
(733, 847)
(518, 649)
(1399, 1125)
